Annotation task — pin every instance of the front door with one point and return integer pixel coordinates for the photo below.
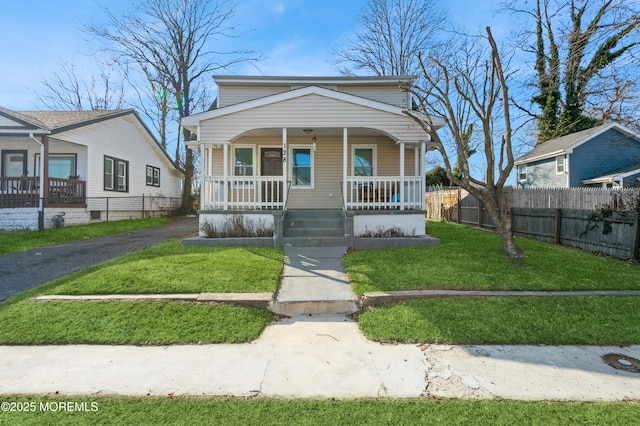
(14, 163)
(271, 165)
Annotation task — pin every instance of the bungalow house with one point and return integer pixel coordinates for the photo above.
(606, 155)
(286, 150)
(89, 165)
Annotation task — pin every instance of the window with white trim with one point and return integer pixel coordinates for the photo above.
(364, 160)
(243, 164)
(116, 174)
(243, 161)
(302, 166)
(522, 172)
(560, 162)
(153, 176)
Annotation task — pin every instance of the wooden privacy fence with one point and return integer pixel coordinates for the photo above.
(572, 198)
(616, 233)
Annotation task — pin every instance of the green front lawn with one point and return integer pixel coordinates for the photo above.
(13, 242)
(471, 258)
(172, 268)
(262, 411)
(165, 268)
(577, 320)
(128, 323)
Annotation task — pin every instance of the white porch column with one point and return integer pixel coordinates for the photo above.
(422, 171)
(225, 174)
(285, 169)
(402, 194)
(345, 166)
(203, 173)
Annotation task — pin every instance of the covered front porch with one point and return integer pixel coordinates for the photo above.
(308, 168)
(24, 191)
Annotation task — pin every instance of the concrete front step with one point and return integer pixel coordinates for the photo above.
(335, 223)
(314, 241)
(313, 232)
(313, 214)
(313, 225)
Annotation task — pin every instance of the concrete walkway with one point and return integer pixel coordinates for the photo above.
(314, 282)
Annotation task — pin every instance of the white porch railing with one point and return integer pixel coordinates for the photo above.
(384, 192)
(243, 193)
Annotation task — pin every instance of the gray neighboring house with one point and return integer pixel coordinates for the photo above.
(604, 156)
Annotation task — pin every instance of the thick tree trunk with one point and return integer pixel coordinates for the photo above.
(503, 227)
(187, 193)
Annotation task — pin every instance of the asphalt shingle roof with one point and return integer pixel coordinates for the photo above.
(560, 144)
(55, 119)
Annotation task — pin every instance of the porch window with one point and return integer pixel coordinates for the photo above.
(302, 167)
(363, 161)
(243, 161)
(61, 166)
(116, 174)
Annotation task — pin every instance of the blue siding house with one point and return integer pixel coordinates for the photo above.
(607, 156)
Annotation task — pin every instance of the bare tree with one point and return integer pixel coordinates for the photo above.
(68, 90)
(393, 33)
(174, 42)
(469, 91)
(577, 44)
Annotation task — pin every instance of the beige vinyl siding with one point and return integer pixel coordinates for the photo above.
(322, 112)
(231, 94)
(327, 170)
(237, 93)
(386, 94)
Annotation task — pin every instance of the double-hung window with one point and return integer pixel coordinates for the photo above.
(522, 173)
(560, 164)
(153, 176)
(363, 161)
(302, 166)
(116, 174)
(243, 163)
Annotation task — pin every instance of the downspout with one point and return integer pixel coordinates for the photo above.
(41, 182)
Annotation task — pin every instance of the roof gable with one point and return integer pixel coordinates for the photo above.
(194, 120)
(567, 144)
(16, 122)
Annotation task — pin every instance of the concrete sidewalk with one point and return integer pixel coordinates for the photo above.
(321, 356)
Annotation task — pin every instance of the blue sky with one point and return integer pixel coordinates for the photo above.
(296, 36)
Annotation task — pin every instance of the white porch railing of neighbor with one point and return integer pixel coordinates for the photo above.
(243, 193)
(383, 192)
